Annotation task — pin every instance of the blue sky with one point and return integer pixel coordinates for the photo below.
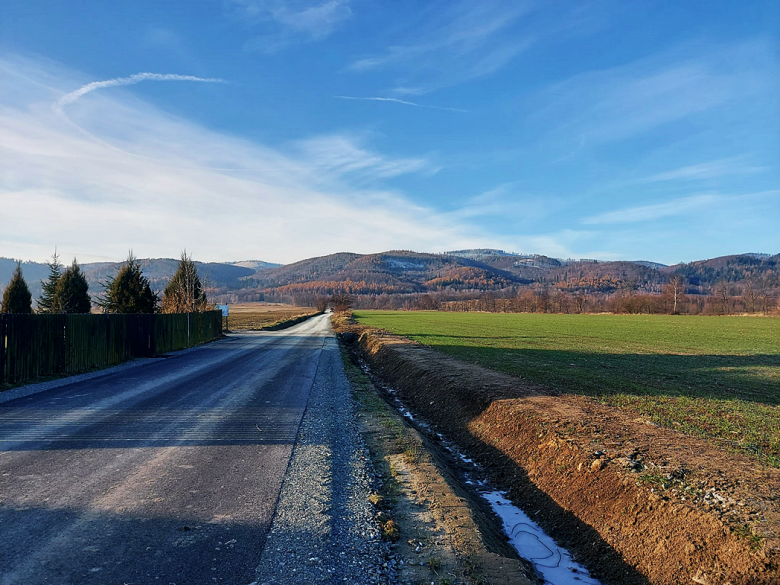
(283, 130)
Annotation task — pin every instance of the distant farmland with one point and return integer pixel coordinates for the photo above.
(711, 377)
(257, 316)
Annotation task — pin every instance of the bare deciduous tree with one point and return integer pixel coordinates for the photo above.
(579, 301)
(341, 302)
(723, 295)
(321, 304)
(750, 295)
(675, 290)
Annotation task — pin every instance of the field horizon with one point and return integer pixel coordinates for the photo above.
(715, 378)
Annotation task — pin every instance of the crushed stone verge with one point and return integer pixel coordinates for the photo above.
(635, 503)
(324, 530)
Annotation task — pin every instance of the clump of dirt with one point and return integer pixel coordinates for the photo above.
(634, 502)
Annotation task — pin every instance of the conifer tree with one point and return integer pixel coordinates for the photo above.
(16, 297)
(71, 295)
(128, 291)
(184, 293)
(46, 302)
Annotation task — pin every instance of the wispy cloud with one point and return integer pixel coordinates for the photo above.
(641, 213)
(171, 183)
(696, 81)
(465, 41)
(709, 170)
(398, 101)
(71, 97)
(316, 20)
(339, 155)
(288, 20)
(700, 203)
(507, 204)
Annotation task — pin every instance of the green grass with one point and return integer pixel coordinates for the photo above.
(712, 377)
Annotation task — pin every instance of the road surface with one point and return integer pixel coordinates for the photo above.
(168, 472)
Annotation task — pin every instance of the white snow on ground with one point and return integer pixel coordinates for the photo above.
(531, 542)
(405, 264)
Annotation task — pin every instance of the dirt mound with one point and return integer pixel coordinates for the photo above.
(634, 502)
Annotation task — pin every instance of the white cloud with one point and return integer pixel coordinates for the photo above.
(679, 206)
(507, 203)
(158, 184)
(695, 205)
(686, 82)
(285, 21)
(317, 20)
(709, 170)
(464, 42)
(397, 101)
(336, 155)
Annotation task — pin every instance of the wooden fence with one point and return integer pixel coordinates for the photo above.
(33, 346)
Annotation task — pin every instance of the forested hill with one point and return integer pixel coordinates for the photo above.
(386, 273)
(457, 274)
(733, 269)
(467, 273)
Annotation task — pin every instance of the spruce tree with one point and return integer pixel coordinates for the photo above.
(16, 297)
(184, 293)
(46, 302)
(71, 295)
(128, 291)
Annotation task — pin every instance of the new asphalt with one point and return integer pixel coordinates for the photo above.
(168, 472)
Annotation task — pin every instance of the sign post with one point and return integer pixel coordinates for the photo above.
(225, 311)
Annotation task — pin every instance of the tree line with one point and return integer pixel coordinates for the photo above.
(727, 299)
(674, 298)
(128, 291)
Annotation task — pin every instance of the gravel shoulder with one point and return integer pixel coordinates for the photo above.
(324, 530)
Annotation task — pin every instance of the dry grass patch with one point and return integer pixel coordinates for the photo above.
(259, 316)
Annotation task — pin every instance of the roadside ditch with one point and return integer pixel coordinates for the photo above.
(437, 531)
(634, 503)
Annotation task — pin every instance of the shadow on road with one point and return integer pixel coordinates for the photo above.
(108, 547)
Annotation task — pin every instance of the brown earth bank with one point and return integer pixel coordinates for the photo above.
(635, 503)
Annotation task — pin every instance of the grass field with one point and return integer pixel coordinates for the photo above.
(712, 377)
(256, 316)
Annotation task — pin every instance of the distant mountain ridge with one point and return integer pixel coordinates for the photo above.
(158, 270)
(468, 273)
(459, 273)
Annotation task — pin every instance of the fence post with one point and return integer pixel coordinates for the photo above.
(188, 330)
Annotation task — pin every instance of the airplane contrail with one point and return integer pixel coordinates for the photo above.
(397, 101)
(71, 97)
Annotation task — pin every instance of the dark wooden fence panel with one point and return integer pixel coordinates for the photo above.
(34, 346)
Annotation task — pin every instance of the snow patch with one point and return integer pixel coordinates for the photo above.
(531, 542)
(405, 264)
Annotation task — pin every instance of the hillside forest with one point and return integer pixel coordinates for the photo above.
(475, 280)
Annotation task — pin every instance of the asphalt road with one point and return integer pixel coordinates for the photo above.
(164, 473)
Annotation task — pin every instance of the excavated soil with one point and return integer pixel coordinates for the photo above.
(635, 503)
